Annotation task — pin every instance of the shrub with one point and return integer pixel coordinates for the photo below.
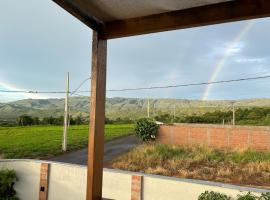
(7, 181)
(249, 196)
(146, 129)
(218, 196)
(265, 196)
(213, 196)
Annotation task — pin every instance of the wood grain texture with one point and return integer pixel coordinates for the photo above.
(44, 176)
(187, 18)
(97, 119)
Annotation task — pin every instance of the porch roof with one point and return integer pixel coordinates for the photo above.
(120, 18)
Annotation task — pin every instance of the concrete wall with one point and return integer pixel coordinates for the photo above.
(28, 173)
(68, 182)
(221, 136)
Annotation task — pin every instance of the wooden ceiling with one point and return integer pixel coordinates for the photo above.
(121, 18)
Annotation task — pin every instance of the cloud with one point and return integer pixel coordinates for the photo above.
(250, 60)
(235, 49)
(37, 52)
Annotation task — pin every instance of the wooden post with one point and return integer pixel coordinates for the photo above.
(97, 119)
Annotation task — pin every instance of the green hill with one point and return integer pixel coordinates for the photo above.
(120, 107)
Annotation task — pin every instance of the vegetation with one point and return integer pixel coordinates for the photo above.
(218, 196)
(7, 181)
(45, 141)
(127, 108)
(26, 120)
(252, 116)
(213, 196)
(119, 120)
(146, 129)
(247, 196)
(238, 167)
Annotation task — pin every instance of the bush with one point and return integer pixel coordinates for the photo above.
(146, 129)
(7, 181)
(247, 196)
(265, 196)
(218, 196)
(213, 196)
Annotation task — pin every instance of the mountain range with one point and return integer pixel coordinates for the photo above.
(119, 107)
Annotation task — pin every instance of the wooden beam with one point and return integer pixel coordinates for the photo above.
(44, 182)
(97, 118)
(86, 18)
(199, 16)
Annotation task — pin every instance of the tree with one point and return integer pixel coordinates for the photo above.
(78, 120)
(25, 120)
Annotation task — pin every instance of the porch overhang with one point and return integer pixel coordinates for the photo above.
(121, 18)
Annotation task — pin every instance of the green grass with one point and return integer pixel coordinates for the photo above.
(208, 154)
(45, 141)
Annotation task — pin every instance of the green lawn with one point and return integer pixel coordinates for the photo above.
(46, 141)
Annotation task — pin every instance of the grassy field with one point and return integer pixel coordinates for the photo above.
(45, 141)
(237, 167)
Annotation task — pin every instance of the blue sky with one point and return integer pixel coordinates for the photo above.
(40, 43)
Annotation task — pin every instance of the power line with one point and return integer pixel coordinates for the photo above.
(186, 85)
(45, 92)
(140, 88)
(81, 84)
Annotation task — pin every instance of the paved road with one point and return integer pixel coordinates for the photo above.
(112, 149)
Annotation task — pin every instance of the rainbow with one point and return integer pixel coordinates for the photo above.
(225, 56)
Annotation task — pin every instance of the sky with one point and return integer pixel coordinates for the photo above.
(40, 43)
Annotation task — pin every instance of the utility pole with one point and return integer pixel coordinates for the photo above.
(173, 112)
(154, 112)
(69, 116)
(233, 121)
(66, 117)
(148, 108)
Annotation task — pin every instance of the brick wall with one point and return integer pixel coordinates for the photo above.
(221, 136)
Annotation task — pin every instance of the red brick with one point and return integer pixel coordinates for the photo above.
(180, 135)
(198, 136)
(260, 140)
(136, 187)
(164, 134)
(239, 138)
(218, 137)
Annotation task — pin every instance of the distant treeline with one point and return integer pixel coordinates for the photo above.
(251, 116)
(26, 120)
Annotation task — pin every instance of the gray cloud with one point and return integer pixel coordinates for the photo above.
(40, 43)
